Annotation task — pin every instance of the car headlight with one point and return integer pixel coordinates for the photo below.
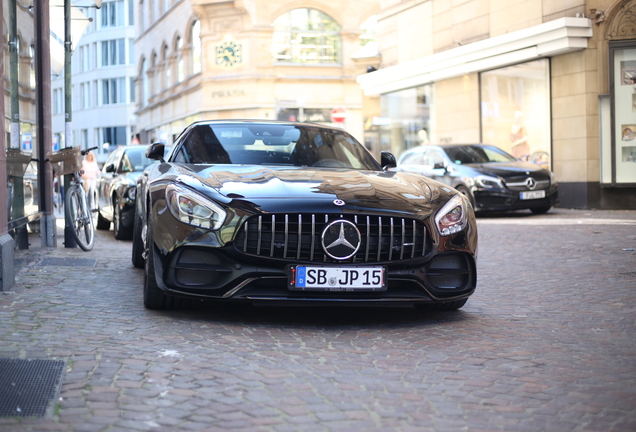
(487, 182)
(452, 218)
(192, 208)
(132, 192)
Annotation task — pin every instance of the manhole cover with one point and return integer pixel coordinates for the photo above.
(68, 262)
(29, 386)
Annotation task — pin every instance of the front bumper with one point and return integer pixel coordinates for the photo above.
(504, 199)
(217, 273)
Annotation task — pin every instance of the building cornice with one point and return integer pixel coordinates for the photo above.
(556, 37)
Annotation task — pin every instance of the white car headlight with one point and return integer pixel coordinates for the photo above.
(192, 208)
(452, 218)
(487, 182)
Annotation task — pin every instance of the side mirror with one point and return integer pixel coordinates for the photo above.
(110, 168)
(387, 160)
(155, 151)
(439, 165)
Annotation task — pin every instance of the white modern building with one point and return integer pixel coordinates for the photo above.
(103, 85)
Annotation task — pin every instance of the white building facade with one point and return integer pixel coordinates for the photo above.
(103, 81)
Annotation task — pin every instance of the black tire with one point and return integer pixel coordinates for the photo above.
(154, 297)
(137, 244)
(464, 191)
(540, 210)
(102, 223)
(121, 233)
(81, 219)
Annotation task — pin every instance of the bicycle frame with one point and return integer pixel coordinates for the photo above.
(76, 212)
(79, 215)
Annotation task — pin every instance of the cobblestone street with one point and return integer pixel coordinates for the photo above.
(547, 343)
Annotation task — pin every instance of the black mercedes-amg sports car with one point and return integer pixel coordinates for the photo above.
(266, 211)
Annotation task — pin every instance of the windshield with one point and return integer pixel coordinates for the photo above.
(477, 154)
(272, 144)
(134, 159)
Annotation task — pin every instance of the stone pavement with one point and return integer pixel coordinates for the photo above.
(547, 343)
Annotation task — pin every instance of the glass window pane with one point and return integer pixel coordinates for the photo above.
(105, 90)
(120, 13)
(515, 110)
(306, 36)
(121, 52)
(624, 77)
(131, 51)
(112, 53)
(196, 47)
(121, 97)
(132, 89)
(407, 119)
(104, 53)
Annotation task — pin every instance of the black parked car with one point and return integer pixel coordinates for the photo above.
(488, 176)
(117, 187)
(264, 211)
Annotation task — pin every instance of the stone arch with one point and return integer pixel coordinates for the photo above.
(621, 17)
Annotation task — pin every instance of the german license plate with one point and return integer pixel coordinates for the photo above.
(337, 278)
(532, 195)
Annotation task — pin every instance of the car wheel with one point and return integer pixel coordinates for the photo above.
(137, 244)
(464, 191)
(102, 222)
(121, 233)
(154, 297)
(540, 210)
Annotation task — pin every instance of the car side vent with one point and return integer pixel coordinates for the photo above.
(297, 237)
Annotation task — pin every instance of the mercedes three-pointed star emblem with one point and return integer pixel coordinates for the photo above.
(341, 239)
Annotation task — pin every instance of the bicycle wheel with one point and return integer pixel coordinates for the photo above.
(80, 217)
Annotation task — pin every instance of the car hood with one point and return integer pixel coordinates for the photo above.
(278, 189)
(510, 169)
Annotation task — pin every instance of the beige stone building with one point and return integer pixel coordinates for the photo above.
(275, 59)
(550, 81)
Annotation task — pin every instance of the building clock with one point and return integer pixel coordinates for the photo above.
(228, 54)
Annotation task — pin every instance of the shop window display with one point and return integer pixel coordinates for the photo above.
(407, 119)
(515, 110)
(623, 77)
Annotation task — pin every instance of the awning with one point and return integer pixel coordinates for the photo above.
(556, 37)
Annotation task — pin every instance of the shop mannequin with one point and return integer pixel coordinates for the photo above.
(519, 138)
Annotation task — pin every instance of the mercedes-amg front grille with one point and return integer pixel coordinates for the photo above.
(297, 237)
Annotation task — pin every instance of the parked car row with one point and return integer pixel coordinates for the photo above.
(117, 187)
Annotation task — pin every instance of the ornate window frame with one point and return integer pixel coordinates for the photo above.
(296, 42)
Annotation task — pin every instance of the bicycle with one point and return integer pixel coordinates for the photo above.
(76, 210)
